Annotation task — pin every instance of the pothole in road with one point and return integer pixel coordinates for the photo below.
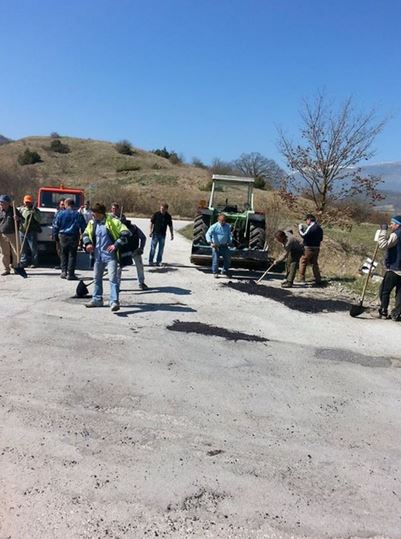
(290, 300)
(213, 331)
(163, 269)
(337, 354)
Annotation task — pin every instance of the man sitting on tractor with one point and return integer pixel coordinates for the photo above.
(219, 236)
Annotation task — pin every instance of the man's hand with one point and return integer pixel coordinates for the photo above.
(89, 248)
(111, 248)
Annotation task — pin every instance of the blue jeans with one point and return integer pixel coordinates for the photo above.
(30, 250)
(113, 280)
(223, 251)
(157, 240)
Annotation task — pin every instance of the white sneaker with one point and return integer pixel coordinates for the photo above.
(114, 307)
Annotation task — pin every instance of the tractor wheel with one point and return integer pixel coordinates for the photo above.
(257, 236)
(200, 229)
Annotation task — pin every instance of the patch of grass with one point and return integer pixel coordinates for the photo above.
(128, 167)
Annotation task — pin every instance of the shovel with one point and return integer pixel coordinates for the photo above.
(265, 273)
(358, 309)
(26, 233)
(82, 288)
(19, 270)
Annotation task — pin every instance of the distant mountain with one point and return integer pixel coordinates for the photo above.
(389, 172)
(4, 140)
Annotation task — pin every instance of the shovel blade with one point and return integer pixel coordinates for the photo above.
(356, 310)
(82, 290)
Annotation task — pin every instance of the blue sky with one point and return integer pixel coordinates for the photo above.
(207, 78)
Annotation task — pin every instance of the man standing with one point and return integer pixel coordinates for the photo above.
(60, 208)
(158, 230)
(103, 236)
(86, 212)
(68, 227)
(293, 253)
(313, 237)
(219, 236)
(29, 232)
(116, 211)
(137, 242)
(392, 262)
(8, 243)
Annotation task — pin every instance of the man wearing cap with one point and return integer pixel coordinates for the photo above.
(313, 237)
(392, 263)
(29, 232)
(8, 244)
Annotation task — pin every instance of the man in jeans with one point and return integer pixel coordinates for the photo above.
(8, 243)
(29, 232)
(67, 229)
(102, 237)
(158, 229)
(313, 237)
(137, 243)
(219, 236)
(392, 262)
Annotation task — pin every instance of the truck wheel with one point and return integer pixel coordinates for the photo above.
(200, 229)
(257, 236)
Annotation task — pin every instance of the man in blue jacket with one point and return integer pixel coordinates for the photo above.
(219, 236)
(67, 229)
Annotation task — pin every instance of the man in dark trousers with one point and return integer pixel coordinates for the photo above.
(68, 227)
(158, 230)
(313, 237)
(392, 262)
(60, 208)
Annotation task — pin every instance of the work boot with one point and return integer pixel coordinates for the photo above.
(57, 267)
(151, 263)
(216, 275)
(382, 313)
(286, 284)
(33, 266)
(6, 272)
(396, 315)
(63, 276)
(114, 307)
(93, 304)
(143, 286)
(72, 278)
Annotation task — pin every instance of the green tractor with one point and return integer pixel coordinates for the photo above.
(233, 196)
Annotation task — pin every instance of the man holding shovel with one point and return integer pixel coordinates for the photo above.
(8, 239)
(29, 232)
(293, 253)
(392, 262)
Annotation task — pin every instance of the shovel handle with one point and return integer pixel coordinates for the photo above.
(369, 273)
(266, 272)
(17, 243)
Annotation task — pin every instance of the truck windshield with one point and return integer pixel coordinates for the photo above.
(50, 199)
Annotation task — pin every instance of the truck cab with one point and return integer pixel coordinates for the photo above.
(48, 203)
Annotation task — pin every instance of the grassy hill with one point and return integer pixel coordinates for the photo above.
(140, 180)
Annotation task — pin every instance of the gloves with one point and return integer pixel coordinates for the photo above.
(301, 227)
(138, 251)
(383, 227)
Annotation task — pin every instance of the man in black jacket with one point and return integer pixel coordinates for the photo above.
(159, 223)
(392, 263)
(312, 236)
(8, 241)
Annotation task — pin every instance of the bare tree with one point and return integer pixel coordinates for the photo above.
(324, 164)
(265, 171)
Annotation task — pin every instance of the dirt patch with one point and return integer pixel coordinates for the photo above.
(296, 302)
(337, 354)
(213, 331)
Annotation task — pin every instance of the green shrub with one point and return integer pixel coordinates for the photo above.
(196, 162)
(29, 157)
(124, 147)
(57, 146)
(259, 183)
(54, 134)
(163, 152)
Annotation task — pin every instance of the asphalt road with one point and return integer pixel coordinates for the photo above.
(114, 426)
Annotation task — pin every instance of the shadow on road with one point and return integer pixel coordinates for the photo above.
(153, 307)
(176, 290)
